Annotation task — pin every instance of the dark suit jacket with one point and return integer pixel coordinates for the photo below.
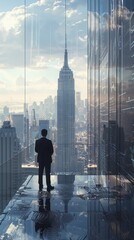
(44, 148)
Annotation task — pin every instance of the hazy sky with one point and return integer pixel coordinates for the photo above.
(32, 46)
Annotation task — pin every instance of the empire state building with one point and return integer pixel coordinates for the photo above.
(66, 160)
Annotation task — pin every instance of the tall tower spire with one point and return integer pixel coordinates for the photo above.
(65, 26)
(66, 53)
(66, 157)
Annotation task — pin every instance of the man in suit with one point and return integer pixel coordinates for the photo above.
(44, 148)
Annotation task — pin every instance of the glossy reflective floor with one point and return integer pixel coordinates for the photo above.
(79, 208)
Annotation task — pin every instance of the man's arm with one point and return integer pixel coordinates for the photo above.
(51, 148)
(36, 150)
(36, 146)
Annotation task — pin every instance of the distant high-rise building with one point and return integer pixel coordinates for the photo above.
(112, 148)
(6, 111)
(34, 134)
(66, 161)
(26, 128)
(10, 144)
(10, 161)
(43, 124)
(78, 99)
(18, 123)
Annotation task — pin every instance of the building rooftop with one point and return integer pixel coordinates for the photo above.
(79, 208)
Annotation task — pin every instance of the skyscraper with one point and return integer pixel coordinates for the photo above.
(43, 124)
(66, 161)
(10, 161)
(17, 122)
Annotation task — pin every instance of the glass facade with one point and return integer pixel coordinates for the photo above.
(110, 86)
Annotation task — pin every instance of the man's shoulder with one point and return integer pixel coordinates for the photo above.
(38, 140)
(44, 140)
(48, 140)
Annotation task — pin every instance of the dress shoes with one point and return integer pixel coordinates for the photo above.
(50, 188)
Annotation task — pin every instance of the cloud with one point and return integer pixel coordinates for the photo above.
(83, 39)
(71, 12)
(20, 81)
(78, 3)
(11, 21)
(93, 21)
(108, 34)
(2, 84)
(37, 31)
(39, 62)
(32, 45)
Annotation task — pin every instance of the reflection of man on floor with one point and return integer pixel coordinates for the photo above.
(43, 219)
(44, 148)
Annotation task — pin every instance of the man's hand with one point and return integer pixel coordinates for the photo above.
(36, 160)
(36, 164)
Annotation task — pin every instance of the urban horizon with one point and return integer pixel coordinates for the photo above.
(85, 102)
(18, 107)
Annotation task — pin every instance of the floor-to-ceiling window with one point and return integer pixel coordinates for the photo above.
(111, 111)
(110, 86)
(36, 37)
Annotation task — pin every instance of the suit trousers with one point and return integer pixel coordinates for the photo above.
(47, 172)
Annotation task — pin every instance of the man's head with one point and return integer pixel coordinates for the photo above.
(44, 132)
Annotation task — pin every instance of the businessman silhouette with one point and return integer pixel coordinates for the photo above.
(44, 149)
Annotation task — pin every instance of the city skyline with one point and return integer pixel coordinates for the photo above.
(18, 107)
